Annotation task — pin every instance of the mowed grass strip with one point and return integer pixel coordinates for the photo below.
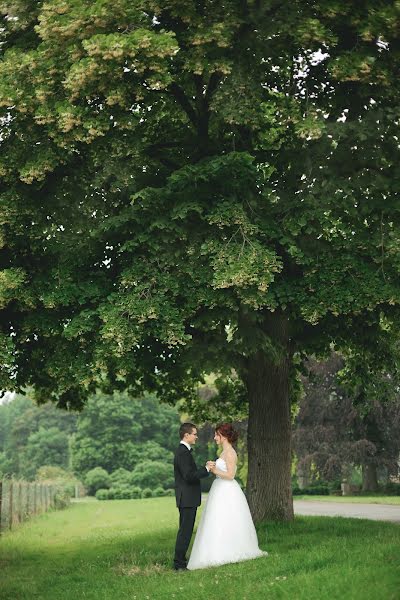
(353, 499)
(123, 549)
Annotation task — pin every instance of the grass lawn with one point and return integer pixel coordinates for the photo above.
(122, 549)
(354, 499)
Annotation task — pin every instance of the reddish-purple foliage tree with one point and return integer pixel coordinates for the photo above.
(332, 433)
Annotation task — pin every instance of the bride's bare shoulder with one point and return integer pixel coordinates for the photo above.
(231, 453)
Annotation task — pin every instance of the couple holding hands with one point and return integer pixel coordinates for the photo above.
(226, 531)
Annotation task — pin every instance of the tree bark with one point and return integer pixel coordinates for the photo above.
(369, 478)
(269, 433)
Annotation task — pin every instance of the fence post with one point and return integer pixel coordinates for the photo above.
(19, 502)
(34, 498)
(28, 489)
(1, 496)
(10, 500)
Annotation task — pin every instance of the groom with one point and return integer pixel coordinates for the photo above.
(187, 491)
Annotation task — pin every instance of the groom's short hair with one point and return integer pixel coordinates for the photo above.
(186, 428)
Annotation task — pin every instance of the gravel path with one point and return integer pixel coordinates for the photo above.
(377, 512)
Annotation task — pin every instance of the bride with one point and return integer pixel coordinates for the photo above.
(226, 532)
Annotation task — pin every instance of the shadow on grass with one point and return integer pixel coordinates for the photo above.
(312, 543)
(321, 539)
(305, 556)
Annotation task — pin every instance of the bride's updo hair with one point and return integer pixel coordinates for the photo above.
(228, 431)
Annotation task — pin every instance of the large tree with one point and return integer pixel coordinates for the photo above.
(196, 186)
(334, 431)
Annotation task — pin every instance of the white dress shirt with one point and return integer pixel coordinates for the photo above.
(189, 448)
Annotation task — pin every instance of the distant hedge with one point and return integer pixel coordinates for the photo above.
(311, 491)
(131, 493)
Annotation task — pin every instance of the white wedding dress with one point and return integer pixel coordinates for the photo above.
(226, 532)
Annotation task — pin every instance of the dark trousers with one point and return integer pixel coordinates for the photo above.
(187, 517)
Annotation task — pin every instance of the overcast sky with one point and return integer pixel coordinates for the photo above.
(7, 396)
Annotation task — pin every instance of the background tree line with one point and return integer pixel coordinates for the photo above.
(115, 439)
(124, 446)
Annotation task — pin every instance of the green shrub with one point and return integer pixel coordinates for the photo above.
(119, 492)
(392, 489)
(111, 493)
(97, 479)
(152, 474)
(59, 478)
(62, 498)
(120, 476)
(136, 492)
(102, 494)
(70, 488)
(318, 490)
(125, 493)
(122, 492)
(147, 493)
(50, 472)
(335, 485)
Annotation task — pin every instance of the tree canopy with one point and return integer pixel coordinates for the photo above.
(170, 170)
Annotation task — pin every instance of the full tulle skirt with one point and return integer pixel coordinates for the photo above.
(226, 532)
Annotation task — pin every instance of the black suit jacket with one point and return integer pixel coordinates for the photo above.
(187, 478)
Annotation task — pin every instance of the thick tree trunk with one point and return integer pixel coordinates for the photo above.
(269, 438)
(369, 478)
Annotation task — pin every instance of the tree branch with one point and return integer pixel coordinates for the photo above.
(182, 99)
(213, 82)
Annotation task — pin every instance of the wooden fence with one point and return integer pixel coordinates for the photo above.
(19, 500)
